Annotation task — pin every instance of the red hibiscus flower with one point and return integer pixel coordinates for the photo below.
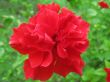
(107, 70)
(54, 42)
(103, 4)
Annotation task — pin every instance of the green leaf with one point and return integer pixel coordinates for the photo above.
(107, 63)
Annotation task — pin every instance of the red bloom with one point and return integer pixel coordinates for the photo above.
(53, 42)
(103, 4)
(107, 70)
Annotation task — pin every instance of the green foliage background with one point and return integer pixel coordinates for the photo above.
(97, 57)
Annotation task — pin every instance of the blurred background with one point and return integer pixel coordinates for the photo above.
(97, 57)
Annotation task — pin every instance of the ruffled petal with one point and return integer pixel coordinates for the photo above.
(43, 73)
(75, 60)
(68, 18)
(65, 66)
(62, 68)
(28, 70)
(65, 17)
(48, 58)
(17, 39)
(39, 41)
(48, 21)
(77, 66)
(84, 26)
(47, 43)
(38, 73)
(81, 46)
(62, 51)
(40, 58)
(36, 58)
(55, 7)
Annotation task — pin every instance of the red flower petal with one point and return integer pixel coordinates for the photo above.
(39, 58)
(39, 73)
(17, 38)
(62, 68)
(53, 6)
(48, 58)
(78, 66)
(33, 20)
(73, 54)
(81, 46)
(103, 4)
(107, 70)
(28, 70)
(65, 66)
(36, 58)
(65, 18)
(46, 44)
(41, 42)
(84, 26)
(61, 51)
(48, 20)
(76, 62)
(44, 20)
(43, 73)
